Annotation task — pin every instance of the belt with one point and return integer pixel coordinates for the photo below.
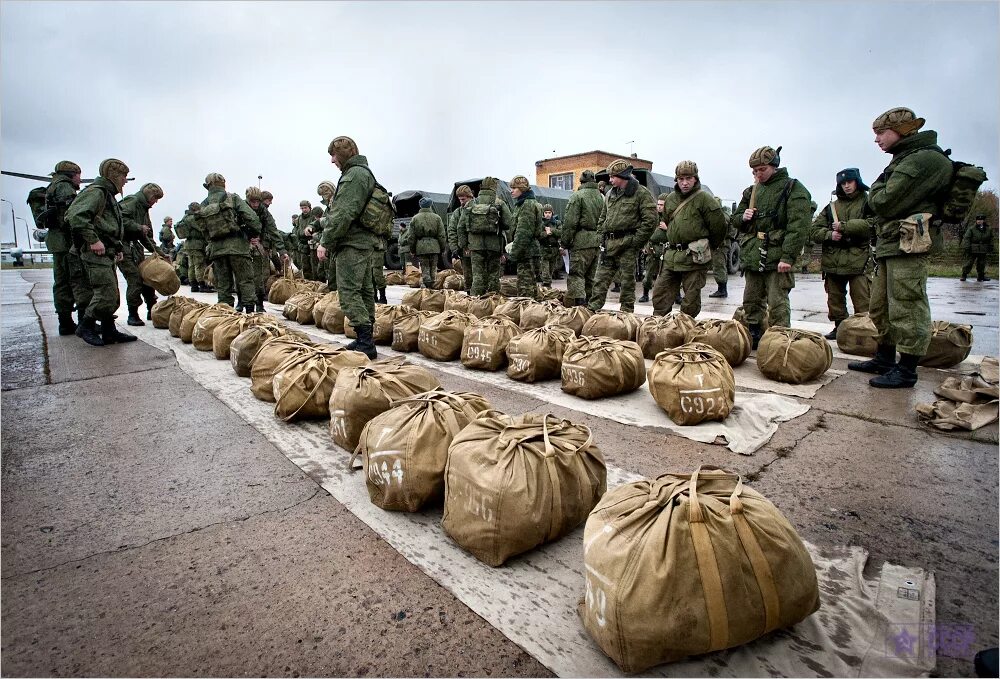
(618, 234)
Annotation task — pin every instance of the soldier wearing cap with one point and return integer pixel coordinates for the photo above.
(773, 220)
(328, 270)
(302, 235)
(427, 240)
(579, 236)
(59, 194)
(464, 196)
(694, 225)
(346, 238)
(552, 262)
(138, 238)
(720, 263)
(845, 236)
(654, 250)
(977, 245)
(96, 225)
(627, 220)
(907, 190)
(484, 225)
(260, 252)
(167, 238)
(234, 228)
(194, 248)
(525, 247)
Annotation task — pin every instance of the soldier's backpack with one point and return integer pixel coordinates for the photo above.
(218, 220)
(378, 212)
(36, 201)
(956, 201)
(484, 218)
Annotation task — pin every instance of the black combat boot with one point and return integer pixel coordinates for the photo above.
(756, 332)
(248, 308)
(832, 335)
(902, 376)
(381, 296)
(259, 307)
(645, 294)
(364, 342)
(111, 334)
(581, 301)
(616, 288)
(195, 286)
(883, 361)
(721, 292)
(87, 331)
(205, 287)
(983, 279)
(133, 316)
(962, 277)
(66, 324)
(149, 310)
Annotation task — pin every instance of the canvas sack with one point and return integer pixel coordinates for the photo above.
(536, 355)
(484, 345)
(693, 383)
(793, 356)
(593, 367)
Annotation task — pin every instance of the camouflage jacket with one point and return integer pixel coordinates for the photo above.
(918, 173)
(628, 217)
(485, 241)
(343, 228)
(187, 228)
(849, 255)
(135, 220)
(404, 245)
(583, 211)
(699, 217)
(427, 230)
(977, 241)
(95, 216)
(550, 241)
(783, 216)
(270, 237)
(58, 196)
(246, 219)
(299, 232)
(453, 231)
(527, 228)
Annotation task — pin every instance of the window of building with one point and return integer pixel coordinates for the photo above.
(561, 181)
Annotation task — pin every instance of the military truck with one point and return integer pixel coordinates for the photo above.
(406, 204)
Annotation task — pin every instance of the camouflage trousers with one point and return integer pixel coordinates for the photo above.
(653, 261)
(527, 281)
(836, 286)
(196, 265)
(305, 263)
(102, 285)
(483, 271)
(260, 264)
(767, 293)
(720, 263)
(78, 281)
(899, 306)
(555, 262)
(543, 274)
(971, 260)
(330, 267)
(469, 273)
(582, 269)
(317, 267)
(354, 283)
(378, 270)
(62, 285)
(136, 292)
(428, 269)
(619, 266)
(181, 266)
(234, 274)
(669, 282)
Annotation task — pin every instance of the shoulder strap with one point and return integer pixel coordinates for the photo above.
(682, 204)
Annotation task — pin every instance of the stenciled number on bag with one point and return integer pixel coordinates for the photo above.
(480, 352)
(520, 362)
(338, 424)
(477, 502)
(397, 336)
(597, 600)
(574, 375)
(427, 338)
(699, 403)
(381, 473)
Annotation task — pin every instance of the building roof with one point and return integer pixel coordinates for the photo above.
(587, 153)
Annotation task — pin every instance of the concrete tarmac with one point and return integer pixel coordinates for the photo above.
(149, 531)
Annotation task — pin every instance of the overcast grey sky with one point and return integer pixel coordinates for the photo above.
(436, 92)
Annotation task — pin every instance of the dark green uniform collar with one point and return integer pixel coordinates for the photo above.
(781, 175)
(919, 140)
(588, 185)
(354, 161)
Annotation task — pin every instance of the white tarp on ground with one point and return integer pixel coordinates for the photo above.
(532, 600)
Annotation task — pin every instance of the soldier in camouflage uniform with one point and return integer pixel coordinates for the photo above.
(693, 223)
(194, 248)
(95, 221)
(977, 245)
(138, 229)
(720, 264)
(464, 195)
(772, 232)
(328, 271)
(917, 174)
(552, 263)
(484, 225)
(525, 246)
(351, 243)
(315, 231)
(181, 262)
(846, 242)
(59, 194)
(427, 240)
(579, 236)
(293, 242)
(627, 220)
(167, 238)
(229, 254)
(654, 250)
(303, 240)
(270, 239)
(267, 198)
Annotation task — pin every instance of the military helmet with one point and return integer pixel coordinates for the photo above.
(316, 211)
(620, 168)
(587, 176)
(254, 193)
(194, 207)
(326, 188)
(686, 168)
(112, 166)
(520, 182)
(343, 148)
(305, 203)
(488, 184)
(266, 195)
(547, 208)
(214, 179)
(901, 120)
(152, 191)
(765, 155)
(464, 190)
(67, 167)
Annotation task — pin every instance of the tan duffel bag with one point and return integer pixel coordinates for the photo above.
(455, 281)
(730, 338)
(406, 329)
(405, 449)
(741, 315)
(440, 338)
(283, 288)
(394, 278)
(299, 307)
(349, 330)
(161, 311)
(537, 354)
(441, 276)
(484, 305)
(484, 345)
(793, 356)
(230, 328)
(857, 335)
(203, 335)
(333, 317)
(457, 302)
(657, 333)
(693, 383)
(245, 346)
(433, 300)
(950, 345)
(273, 353)
(157, 273)
(547, 294)
(359, 394)
(386, 316)
(413, 299)
(178, 313)
(413, 278)
(513, 483)
(572, 317)
(593, 367)
(512, 308)
(321, 305)
(620, 325)
(302, 385)
(536, 314)
(689, 564)
(192, 317)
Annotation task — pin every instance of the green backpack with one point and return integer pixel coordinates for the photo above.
(218, 220)
(36, 201)
(957, 199)
(484, 218)
(378, 212)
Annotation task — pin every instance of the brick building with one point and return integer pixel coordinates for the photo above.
(563, 172)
